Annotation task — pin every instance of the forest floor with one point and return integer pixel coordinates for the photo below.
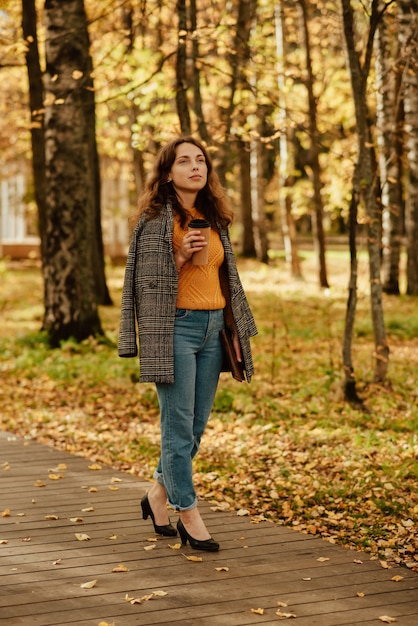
(287, 447)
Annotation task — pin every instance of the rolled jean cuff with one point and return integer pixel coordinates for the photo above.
(158, 477)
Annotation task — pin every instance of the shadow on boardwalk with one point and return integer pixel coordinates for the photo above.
(47, 497)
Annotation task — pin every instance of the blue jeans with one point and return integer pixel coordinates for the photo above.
(185, 405)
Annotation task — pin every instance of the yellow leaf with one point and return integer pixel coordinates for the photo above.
(175, 546)
(106, 624)
(93, 490)
(26, 539)
(152, 547)
(387, 619)
(76, 75)
(82, 537)
(322, 559)
(39, 483)
(116, 480)
(113, 537)
(112, 488)
(195, 559)
(55, 476)
(51, 517)
(76, 520)
(360, 594)
(88, 509)
(128, 598)
(384, 565)
(61, 467)
(57, 562)
(307, 578)
(397, 578)
(120, 568)
(243, 512)
(89, 585)
(222, 569)
(152, 539)
(95, 466)
(358, 561)
(3, 542)
(257, 611)
(6, 513)
(159, 593)
(282, 604)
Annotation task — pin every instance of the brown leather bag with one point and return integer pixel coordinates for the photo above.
(230, 362)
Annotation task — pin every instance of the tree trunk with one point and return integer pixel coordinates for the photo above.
(389, 121)
(197, 96)
(365, 181)
(285, 165)
(248, 243)
(70, 290)
(257, 200)
(181, 70)
(409, 41)
(36, 101)
(318, 213)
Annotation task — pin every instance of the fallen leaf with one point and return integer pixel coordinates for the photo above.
(51, 517)
(113, 537)
(175, 546)
(152, 547)
(6, 513)
(20, 514)
(93, 490)
(360, 594)
(55, 476)
(95, 467)
(243, 512)
(89, 585)
(120, 568)
(152, 539)
(397, 578)
(115, 480)
(222, 569)
(26, 539)
(76, 520)
(82, 537)
(60, 467)
(196, 559)
(57, 562)
(358, 561)
(307, 578)
(77, 74)
(106, 624)
(257, 611)
(112, 488)
(3, 542)
(384, 564)
(322, 559)
(282, 604)
(160, 593)
(88, 509)
(39, 483)
(387, 619)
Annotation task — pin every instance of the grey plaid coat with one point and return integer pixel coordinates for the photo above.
(149, 299)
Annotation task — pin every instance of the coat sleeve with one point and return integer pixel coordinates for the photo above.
(127, 342)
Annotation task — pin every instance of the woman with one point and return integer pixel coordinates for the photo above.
(179, 308)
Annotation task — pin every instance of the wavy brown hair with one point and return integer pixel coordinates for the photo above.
(158, 192)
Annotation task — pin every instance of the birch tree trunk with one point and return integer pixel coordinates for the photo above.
(365, 180)
(285, 161)
(389, 128)
(408, 19)
(70, 294)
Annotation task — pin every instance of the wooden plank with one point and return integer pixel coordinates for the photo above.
(266, 562)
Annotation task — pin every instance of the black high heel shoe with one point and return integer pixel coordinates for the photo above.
(210, 545)
(168, 530)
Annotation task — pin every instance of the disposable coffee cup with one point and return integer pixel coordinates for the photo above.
(201, 256)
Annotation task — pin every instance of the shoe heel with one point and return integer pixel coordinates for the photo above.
(182, 533)
(145, 508)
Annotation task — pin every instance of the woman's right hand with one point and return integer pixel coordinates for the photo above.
(192, 242)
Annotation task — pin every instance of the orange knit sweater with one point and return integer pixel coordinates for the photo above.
(199, 285)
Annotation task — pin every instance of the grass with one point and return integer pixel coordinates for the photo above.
(286, 446)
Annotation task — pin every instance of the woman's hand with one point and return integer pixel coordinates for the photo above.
(192, 242)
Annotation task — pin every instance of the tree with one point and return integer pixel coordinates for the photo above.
(389, 127)
(318, 212)
(409, 44)
(365, 189)
(71, 179)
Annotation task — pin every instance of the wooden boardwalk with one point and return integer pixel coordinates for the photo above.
(47, 497)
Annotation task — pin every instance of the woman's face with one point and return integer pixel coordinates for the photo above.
(189, 172)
